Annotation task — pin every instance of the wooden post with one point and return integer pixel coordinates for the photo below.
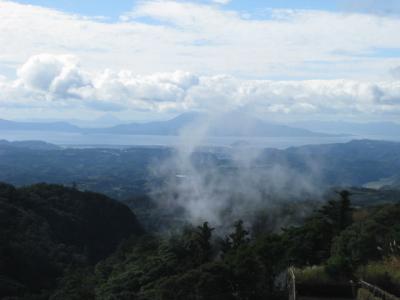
(291, 284)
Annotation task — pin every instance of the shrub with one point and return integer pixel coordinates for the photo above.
(312, 275)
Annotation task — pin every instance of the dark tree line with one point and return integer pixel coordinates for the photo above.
(60, 243)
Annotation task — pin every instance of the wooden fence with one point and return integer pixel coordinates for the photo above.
(291, 284)
(376, 292)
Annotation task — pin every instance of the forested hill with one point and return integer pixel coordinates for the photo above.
(122, 173)
(46, 228)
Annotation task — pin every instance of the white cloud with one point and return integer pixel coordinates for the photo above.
(55, 74)
(395, 72)
(130, 64)
(58, 81)
(162, 36)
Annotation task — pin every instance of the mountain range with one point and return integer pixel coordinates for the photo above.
(369, 129)
(233, 124)
(32, 145)
(122, 172)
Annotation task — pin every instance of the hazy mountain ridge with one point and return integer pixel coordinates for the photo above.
(122, 172)
(227, 125)
(33, 145)
(352, 163)
(353, 128)
(46, 126)
(231, 124)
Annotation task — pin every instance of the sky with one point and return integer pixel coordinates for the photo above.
(283, 60)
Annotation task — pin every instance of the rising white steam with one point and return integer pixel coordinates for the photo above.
(222, 185)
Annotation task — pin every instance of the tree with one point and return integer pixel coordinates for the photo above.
(203, 239)
(311, 243)
(338, 213)
(240, 236)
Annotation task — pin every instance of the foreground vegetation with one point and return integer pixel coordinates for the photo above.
(60, 243)
(46, 230)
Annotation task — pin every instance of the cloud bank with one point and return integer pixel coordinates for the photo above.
(58, 81)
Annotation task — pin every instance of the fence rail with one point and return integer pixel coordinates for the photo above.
(374, 290)
(377, 292)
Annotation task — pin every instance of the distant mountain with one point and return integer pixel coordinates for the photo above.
(45, 126)
(237, 124)
(233, 124)
(353, 128)
(106, 120)
(32, 145)
(349, 164)
(169, 127)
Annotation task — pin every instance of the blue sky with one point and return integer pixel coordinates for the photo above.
(292, 59)
(113, 9)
